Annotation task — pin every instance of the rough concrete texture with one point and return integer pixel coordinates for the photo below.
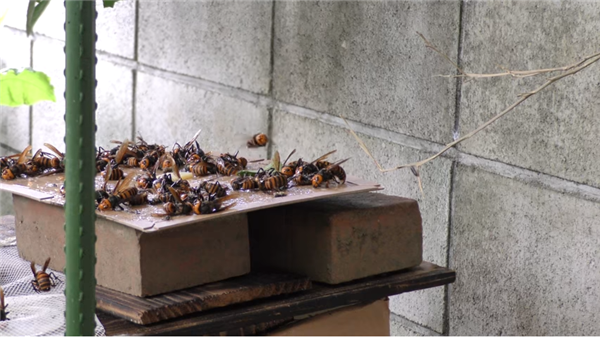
(555, 131)
(397, 328)
(525, 259)
(115, 26)
(113, 95)
(168, 111)
(364, 60)
(312, 139)
(14, 121)
(227, 42)
(339, 239)
(136, 263)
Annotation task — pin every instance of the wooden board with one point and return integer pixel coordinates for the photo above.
(179, 303)
(46, 190)
(320, 297)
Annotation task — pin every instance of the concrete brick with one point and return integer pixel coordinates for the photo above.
(115, 26)
(398, 329)
(364, 60)
(227, 42)
(169, 111)
(554, 129)
(6, 203)
(313, 138)
(141, 264)
(113, 95)
(339, 239)
(525, 259)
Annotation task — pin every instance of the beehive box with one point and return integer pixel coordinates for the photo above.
(143, 255)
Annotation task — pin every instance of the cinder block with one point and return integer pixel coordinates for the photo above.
(339, 239)
(14, 121)
(113, 95)
(527, 259)
(138, 263)
(313, 138)
(169, 111)
(225, 41)
(115, 26)
(364, 60)
(555, 131)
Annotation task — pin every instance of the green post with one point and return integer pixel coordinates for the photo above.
(80, 167)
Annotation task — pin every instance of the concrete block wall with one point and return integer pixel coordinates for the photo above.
(513, 210)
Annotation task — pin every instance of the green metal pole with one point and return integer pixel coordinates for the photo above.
(80, 167)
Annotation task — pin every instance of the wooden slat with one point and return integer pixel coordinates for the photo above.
(179, 303)
(320, 297)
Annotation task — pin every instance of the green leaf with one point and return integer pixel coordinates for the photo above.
(34, 11)
(24, 88)
(109, 3)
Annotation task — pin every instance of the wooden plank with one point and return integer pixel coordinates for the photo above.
(46, 189)
(321, 297)
(179, 303)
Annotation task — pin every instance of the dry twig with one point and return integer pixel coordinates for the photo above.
(566, 71)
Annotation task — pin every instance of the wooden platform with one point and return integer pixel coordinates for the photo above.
(179, 303)
(247, 317)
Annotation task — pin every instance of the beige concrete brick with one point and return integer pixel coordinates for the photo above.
(137, 263)
(339, 239)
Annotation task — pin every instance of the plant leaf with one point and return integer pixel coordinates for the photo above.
(34, 11)
(109, 3)
(24, 88)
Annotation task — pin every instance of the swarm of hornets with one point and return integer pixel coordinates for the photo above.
(176, 195)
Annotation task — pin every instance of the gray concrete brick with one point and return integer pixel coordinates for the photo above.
(525, 259)
(113, 95)
(6, 206)
(364, 60)
(14, 121)
(312, 138)
(115, 26)
(168, 111)
(555, 131)
(231, 40)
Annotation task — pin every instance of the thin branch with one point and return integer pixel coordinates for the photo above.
(573, 69)
(513, 73)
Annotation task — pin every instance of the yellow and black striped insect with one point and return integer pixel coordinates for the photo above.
(121, 194)
(258, 140)
(326, 174)
(203, 168)
(178, 207)
(214, 188)
(43, 281)
(46, 160)
(15, 169)
(226, 168)
(275, 182)
(211, 204)
(244, 183)
(3, 312)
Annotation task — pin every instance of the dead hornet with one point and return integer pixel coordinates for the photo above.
(214, 188)
(244, 183)
(121, 194)
(46, 160)
(43, 281)
(18, 168)
(326, 174)
(210, 204)
(258, 140)
(178, 207)
(3, 312)
(233, 159)
(116, 173)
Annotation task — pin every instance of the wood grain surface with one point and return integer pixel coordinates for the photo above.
(146, 310)
(320, 297)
